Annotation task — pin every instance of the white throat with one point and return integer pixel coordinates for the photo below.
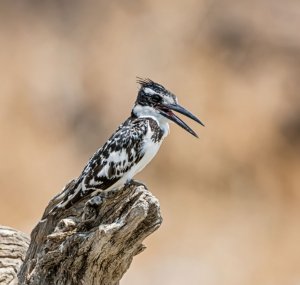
(149, 112)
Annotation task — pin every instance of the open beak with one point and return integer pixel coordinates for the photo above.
(166, 111)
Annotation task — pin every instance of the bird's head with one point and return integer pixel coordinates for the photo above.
(156, 101)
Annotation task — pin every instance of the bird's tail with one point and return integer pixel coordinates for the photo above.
(71, 194)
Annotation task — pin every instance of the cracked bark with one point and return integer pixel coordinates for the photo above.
(88, 243)
(13, 246)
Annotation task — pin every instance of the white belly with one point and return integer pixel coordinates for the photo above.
(150, 149)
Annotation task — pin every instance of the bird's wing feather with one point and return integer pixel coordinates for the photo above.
(117, 156)
(110, 163)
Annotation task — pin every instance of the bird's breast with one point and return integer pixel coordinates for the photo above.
(150, 149)
(150, 146)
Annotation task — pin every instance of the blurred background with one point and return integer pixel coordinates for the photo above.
(230, 200)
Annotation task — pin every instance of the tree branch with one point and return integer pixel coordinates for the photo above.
(93, 242)
(13, 247)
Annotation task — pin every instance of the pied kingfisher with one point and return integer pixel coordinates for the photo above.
(132, 146)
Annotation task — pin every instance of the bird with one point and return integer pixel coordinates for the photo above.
(132, 146)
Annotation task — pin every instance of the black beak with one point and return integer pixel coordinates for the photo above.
(165, 110)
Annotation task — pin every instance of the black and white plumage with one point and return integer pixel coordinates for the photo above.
(132, 146)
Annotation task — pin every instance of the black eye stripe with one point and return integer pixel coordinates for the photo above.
(156, 98)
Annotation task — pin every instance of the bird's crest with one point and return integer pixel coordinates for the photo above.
(144, 81)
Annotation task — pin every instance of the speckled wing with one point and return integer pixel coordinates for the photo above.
(111, 162)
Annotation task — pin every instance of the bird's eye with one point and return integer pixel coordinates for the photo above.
(156, 98)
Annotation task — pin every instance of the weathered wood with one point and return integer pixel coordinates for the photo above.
(13, 247)
(93, 242)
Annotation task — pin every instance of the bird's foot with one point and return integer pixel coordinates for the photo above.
(134, 182)
(94, 201)
(91, 208)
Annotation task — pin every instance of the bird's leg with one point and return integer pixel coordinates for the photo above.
(94, 201)
(133, 182)
(100, 196)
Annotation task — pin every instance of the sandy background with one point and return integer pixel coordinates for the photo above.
(230, 200)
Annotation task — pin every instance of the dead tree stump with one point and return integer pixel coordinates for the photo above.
(89, 243)
(13, 247)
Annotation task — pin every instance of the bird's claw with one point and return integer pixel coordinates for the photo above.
(134, 182)
(94, 202)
